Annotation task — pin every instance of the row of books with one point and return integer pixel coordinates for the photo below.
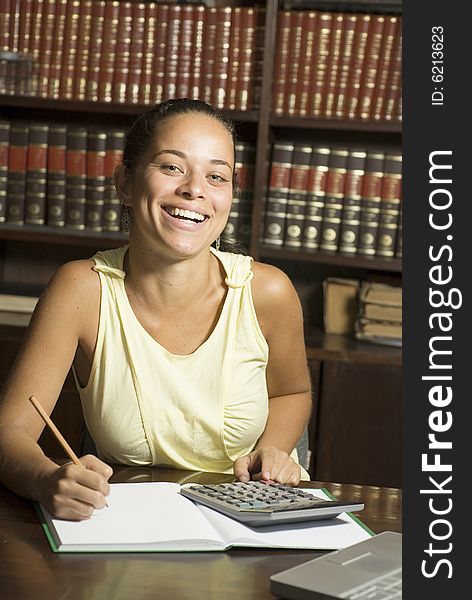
(338, 65)
(62, 175)
(334, 199)
(136, 52)
(369, 310)
(59, 175)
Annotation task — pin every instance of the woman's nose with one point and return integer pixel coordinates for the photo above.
(191, 187)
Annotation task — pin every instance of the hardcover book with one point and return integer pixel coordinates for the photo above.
(350, 216)
(56, 176)
(334, 200)
(277, 196)
(36, 174)
(316, 187)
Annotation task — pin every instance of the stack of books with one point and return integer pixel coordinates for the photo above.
(380, 314)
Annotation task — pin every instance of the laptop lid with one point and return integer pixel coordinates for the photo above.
(336, 573)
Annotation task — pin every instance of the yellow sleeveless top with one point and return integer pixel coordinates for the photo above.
(146, 406)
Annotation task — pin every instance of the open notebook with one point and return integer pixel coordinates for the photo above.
(154, 517)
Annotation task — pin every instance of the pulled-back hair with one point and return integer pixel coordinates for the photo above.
(142, 131)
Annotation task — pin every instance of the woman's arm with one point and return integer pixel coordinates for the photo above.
(66, 314)
(288, 380)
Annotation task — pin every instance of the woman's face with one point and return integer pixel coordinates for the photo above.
(181, 191)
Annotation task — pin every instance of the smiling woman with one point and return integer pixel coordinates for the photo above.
(184, 356)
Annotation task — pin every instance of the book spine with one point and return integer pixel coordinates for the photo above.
(370, 68)
(95, 50)
(56, 176)
(334, 200)
(234, 53)
(46, 44)
(320, 69)
(246, 195)
(277, 197)
(316, 187)
(83, 50)
(115, 141)
(157, 87)
(231, 231)
(24, 26)
(95, 191)
(255, 87)
(14, 25)
(292, 88)
(197, 51)
(356, 68)
(305, 70)
(244, 90)
(36, 174)
(390, 205)
(350, 218)
(185, 63)
(334, 65)
(5, 16)
(67, 78)
(297, 196)
(149, 49)
(107, 58)
(14, 81)
(370, 203)
(122, 53)
(16, 183)
(57, 49)
(394, 86)
(4, 149)
(208, 59)
(346, 58)
(34, 42)
(281, 61)
(136, 52)
(172, 50)
(398, 245)
(220, 65)
(76, 177)
(385, 65)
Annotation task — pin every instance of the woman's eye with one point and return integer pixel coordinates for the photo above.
(217, 178)
(170, 168)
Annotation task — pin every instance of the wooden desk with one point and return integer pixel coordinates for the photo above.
(30, 570)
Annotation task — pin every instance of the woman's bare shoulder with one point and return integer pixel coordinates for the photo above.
(274, 296)
(74, 287)
(270, 285)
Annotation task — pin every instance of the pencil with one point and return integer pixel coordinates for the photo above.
(60, 438)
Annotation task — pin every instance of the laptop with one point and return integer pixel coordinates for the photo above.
(370, 569)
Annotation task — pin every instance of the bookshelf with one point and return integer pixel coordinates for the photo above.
(29, 254)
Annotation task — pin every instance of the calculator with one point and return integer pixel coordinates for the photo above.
(257, 504)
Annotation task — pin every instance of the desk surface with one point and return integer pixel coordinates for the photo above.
(30, 570)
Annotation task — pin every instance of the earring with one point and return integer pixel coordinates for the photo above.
(126, 218)
(217, 243)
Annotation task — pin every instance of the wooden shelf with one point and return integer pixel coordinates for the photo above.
(343, 348)
(393, 265)
(376, 6)
(72, 106)
(335, 124)
(61, 235)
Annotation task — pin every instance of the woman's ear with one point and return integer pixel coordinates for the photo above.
(122, 184)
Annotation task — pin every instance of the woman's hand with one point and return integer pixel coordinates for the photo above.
(267, 464)
(72, 492)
